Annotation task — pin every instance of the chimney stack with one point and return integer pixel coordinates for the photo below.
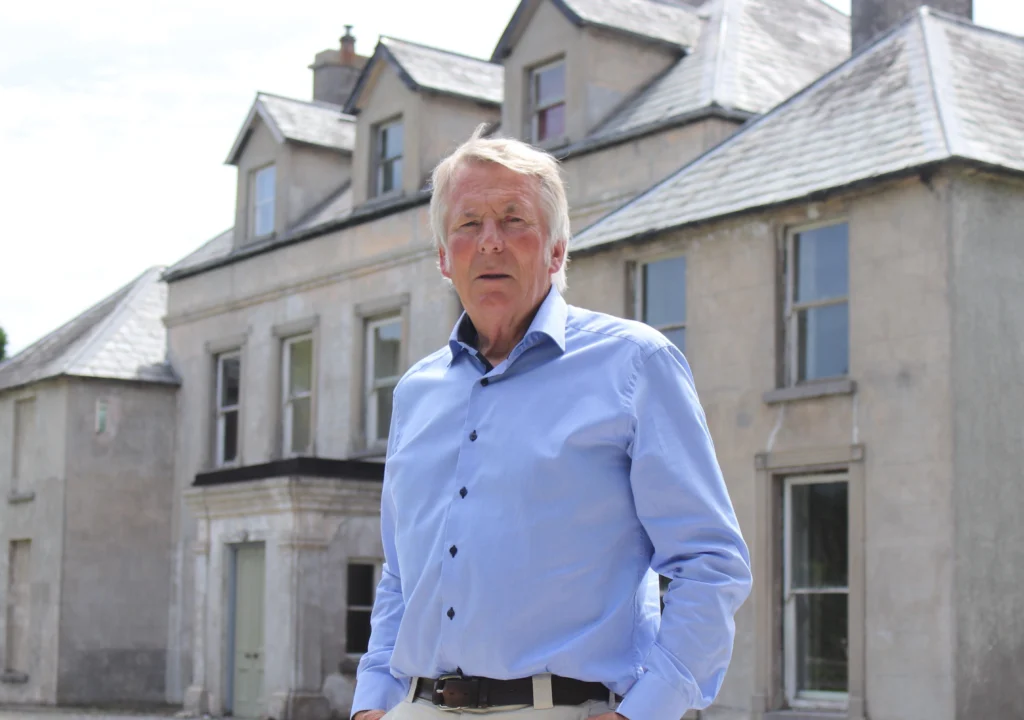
(871, 18)
(335, 72)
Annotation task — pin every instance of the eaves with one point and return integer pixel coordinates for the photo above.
(924, 171)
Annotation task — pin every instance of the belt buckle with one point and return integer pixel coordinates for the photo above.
(455, 691)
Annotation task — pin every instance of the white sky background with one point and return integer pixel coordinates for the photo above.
(116, 117)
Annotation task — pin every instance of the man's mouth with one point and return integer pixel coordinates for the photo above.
(492, 276)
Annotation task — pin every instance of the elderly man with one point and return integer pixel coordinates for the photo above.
(543, 468)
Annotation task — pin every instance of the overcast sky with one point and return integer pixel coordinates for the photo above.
(116, 117)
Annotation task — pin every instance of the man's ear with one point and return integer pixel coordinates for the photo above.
(442, 262)
(557, 257)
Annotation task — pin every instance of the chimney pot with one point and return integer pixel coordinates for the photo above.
(348, 47)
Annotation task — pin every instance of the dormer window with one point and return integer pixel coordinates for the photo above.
(547, 102)
(264, 181)
(389, 146)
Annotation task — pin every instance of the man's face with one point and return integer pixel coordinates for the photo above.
(497, 239)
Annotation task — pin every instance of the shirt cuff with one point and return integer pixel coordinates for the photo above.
(377, 691)
(652, 698)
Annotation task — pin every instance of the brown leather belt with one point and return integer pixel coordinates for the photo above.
(455, 691)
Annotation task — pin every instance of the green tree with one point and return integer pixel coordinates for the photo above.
(3, 345)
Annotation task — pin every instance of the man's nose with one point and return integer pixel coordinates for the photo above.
(490, 237)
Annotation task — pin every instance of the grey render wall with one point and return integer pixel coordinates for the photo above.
(311, 174)
(600, 182)
(987, 295)
(899, 357)
(319, 282)
(40, 520)
(116, 573)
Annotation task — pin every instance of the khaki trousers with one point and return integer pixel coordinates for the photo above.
(413, 709)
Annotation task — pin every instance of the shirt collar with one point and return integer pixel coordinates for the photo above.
(549, 321)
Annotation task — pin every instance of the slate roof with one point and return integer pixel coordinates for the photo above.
(426, 68)
(661, 21)
(304, 121)
(750, 56)
(934, 88)
(122, 337)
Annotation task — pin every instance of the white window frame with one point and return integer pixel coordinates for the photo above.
(805, 699)
(793, 308)
(257, 203)
(379, 160)
(288, 397)
(222, 410)
(378, 569)
(372, 384)
(535, 108)
(23, 450)
(641, 287)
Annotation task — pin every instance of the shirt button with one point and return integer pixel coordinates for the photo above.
(453, 550)
(451, 613)
(472, 436)
(463, 492)
(484, 382)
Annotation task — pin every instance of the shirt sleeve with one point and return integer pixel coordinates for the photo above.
(682, 501)
(376, 687)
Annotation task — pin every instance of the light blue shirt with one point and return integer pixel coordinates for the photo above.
(526, 510)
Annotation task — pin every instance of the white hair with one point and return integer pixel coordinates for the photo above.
(520, 158)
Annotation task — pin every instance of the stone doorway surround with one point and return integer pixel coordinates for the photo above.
(294, 507)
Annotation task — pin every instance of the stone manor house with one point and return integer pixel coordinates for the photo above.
(826, 213)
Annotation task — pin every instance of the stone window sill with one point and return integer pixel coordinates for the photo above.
(13, 678)
(811, 390)
(16, 497)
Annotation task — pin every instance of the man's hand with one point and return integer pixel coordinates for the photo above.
(369, 715)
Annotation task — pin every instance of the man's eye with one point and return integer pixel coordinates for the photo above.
(471, 223)
(514, 220)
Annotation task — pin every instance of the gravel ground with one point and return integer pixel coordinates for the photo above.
(49, 713)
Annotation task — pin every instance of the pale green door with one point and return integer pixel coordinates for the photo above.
(248, 618)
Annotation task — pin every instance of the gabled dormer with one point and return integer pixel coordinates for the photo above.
(570, 63)
(291, 156)
(415, 104)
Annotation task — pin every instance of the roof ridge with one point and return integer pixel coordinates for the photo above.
(103, 328)
(844, 66)
(441, 50)
(721, 44)
(312, 103)
(937, 62)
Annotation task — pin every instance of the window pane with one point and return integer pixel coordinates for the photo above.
(265, 184)
(821, 263)
(384, 399)
(549, 85)
(824, 342)
(357, 631)
(392, 141)
(230, 378)
(265, 219)
(818, 538)
(229, 450)
(664, 301)
(551, 122)
(821, 640)
(387, 346)
(301, 424)
(678, 338)
(360, 584)
(300, 367)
